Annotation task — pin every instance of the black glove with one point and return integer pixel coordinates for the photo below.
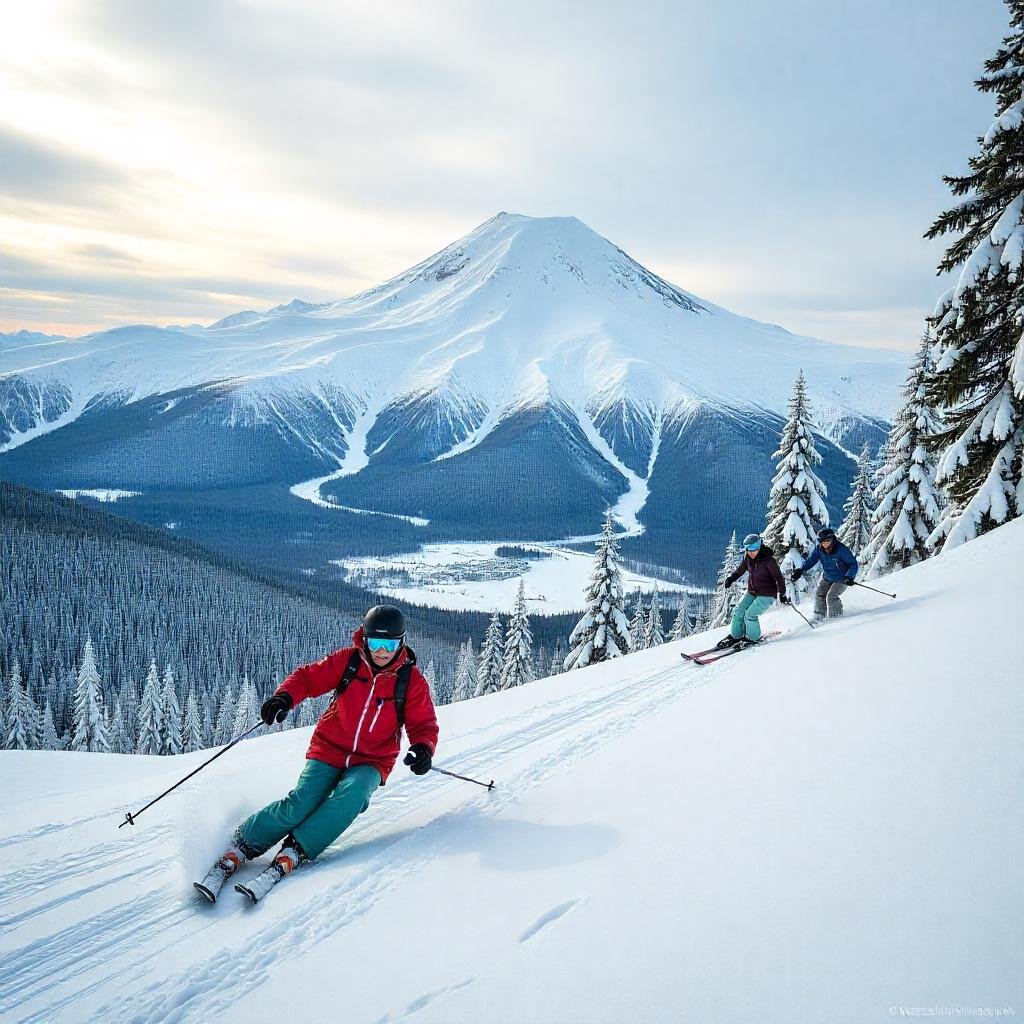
(784, 598)
(850, 580)
(276, 708)
(419, 758)
(797, 573)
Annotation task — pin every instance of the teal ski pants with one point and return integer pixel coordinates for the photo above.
(745, 617)
(323, 803)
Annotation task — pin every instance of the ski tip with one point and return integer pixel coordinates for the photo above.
(490, 785)
(204, 892)
(247, 893)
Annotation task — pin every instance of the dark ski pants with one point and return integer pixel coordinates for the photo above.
(826, 599)
(323, 803)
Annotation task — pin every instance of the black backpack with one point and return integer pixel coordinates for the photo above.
(401, 684)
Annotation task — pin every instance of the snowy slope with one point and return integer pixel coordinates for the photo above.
(819, 830)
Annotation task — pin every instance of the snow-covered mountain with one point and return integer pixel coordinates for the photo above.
(510, 386)
(795, 834)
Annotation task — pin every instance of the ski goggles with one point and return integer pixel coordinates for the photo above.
(380, 643)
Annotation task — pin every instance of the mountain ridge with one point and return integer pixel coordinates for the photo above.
(529, 332)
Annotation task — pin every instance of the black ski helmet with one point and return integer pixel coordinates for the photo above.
(384, 620)
(826, 534)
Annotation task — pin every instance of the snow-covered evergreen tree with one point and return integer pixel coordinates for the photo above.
(430, 674)
(859, 509)
(726, 598)
(247, 711)
(192, 724)
(89, 732)
(681, 624)
(465, 672)
(654, 633)
(796, 506)
(309, 713)
(518, 667)
(49, 739)
(977, 382)
(907, 507)
(170, 731)
(19, 727)
(118, 732)
(151, 717)
(638, 624)
(226, 716)
(207, 724)
(557, 659)
(4, 702)
(603, 632)
(492, 659)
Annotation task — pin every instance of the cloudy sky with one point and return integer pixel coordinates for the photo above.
(172, 161)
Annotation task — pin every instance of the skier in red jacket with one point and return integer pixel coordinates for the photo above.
(353, 750)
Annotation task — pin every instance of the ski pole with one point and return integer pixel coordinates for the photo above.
(801, 614)
(875, 589)
(129, 818)
(486, 785)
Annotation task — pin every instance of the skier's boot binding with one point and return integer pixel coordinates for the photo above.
(289, 857)
(210, 887)
(745, 641)
(726, 642)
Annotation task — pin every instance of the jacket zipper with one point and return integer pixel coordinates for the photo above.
(362, 718)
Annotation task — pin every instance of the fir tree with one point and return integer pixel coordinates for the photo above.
(430, 674)
(309, 713)
(150, 714)
(19, 732)
(681, 624)
(192, 725)
(603, 632)
(207, 726)
(170, 732)
(117, 733)
(907, 506)
(4, 702)
(50, 740)
(557, 658)
(654, 634)
(492, 659)
(726, 598)
(226, 716)
(796, 506)
(977, 383)
(465, 672)
(638, 624)
(247, 711)
(518, 668)
(859, 509)
(89, 731)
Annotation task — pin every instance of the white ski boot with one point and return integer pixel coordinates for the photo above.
(288, 859)
(210, 887)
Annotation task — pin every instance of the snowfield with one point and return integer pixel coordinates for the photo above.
(470, 576)
(826, 829)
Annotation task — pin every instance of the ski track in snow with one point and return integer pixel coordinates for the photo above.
(112, 950)
(553, 915)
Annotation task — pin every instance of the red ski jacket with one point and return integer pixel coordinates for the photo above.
(361, 727)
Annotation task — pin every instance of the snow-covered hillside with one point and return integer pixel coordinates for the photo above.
(509, 387)
(828, 829)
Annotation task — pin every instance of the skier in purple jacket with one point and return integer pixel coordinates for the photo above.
(765, 583)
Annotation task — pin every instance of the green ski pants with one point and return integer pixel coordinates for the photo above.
(322, 804)
(745, 617)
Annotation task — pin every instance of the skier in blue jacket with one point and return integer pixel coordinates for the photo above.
(838, 571)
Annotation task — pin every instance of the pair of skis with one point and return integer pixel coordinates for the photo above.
(713, 654)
